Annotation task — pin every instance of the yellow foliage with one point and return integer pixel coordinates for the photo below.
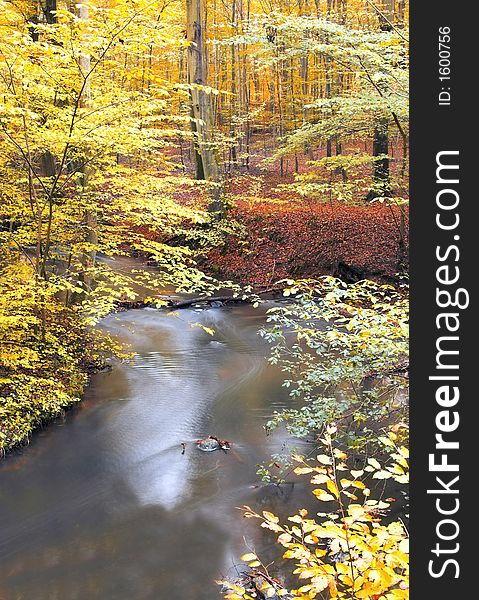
(364, 558)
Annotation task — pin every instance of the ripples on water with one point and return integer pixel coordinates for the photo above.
(105, 505)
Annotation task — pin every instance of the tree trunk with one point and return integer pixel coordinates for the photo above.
(201, 105)
(382, 180)
(49, 11)
(90, 225)
(386, 19)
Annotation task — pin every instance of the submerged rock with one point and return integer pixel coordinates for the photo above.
(212, 443)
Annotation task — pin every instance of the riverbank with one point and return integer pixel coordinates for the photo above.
(45, 368)
(283, 236)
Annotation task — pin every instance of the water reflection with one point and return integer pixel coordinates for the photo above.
(106, 506)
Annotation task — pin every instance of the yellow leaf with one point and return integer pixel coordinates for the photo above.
(357, 474)
(284, 538)
(254, 563)
(249, 556)
(320, 478)
(302, 470)
(359, 484)
(333, 488)
(382, 475)
(270, 517)
(323, 496)
(356, 510)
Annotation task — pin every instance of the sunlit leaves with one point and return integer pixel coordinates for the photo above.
(349, 550)
(86, 117)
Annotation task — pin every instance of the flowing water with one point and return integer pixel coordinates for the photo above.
(105, 505)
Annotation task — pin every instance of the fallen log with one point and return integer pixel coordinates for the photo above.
(209, 300)
(245, 299)
(221, 300)
(226, 299)
(131, 304)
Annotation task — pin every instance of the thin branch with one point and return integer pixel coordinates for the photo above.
(25, 157)
(387, 20)
(380, 92)
(22, 250)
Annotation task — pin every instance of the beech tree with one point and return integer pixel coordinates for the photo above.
(201, 104)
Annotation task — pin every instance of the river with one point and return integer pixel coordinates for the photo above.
(104, 505)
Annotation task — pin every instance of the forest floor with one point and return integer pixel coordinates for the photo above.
(282, 235)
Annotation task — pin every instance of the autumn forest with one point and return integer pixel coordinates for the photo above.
(213, 194)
